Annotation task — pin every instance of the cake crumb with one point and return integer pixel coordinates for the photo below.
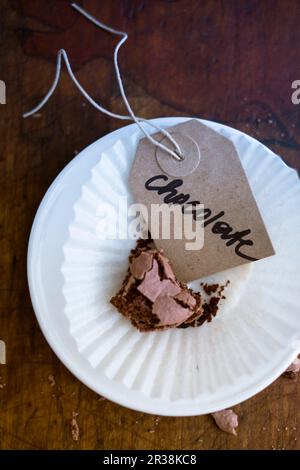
(211, 306)
(51, 380)
(293, 370)
(226, 420)
(210, 288)
(74, 427)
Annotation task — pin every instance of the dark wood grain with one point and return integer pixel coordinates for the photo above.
(231, 61)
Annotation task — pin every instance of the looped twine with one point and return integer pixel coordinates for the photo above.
(62, 55)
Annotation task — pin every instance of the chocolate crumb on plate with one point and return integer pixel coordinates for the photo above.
(293, 369)
(210, 288)
(152, 298)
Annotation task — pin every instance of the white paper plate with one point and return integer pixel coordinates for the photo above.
(72, 275)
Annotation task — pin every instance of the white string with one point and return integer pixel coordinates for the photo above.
(62, 54)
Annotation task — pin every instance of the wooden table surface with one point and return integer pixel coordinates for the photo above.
(231, 61)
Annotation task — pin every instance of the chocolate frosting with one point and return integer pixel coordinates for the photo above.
(166, 267)
(169, 311)
(186, 298)
(152, 286)
(141, 265)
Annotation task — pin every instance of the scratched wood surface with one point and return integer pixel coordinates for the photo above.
(230, 61)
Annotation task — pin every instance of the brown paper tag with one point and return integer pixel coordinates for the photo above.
(211, 173)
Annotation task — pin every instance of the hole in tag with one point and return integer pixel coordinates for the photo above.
(180, 155)
(189, 158)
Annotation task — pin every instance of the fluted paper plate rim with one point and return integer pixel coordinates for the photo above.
(61, 341)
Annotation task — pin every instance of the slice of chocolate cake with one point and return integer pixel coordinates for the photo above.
(151, 296)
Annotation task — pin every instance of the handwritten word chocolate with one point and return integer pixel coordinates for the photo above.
(219, 228)
(211, 173)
